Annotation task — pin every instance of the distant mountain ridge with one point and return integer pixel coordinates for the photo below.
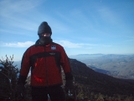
(98, 82)
(120, 66)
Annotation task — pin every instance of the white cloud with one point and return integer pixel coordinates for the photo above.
(64, 43)
(19, 44)
(69, 44)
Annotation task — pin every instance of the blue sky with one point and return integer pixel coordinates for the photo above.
(80, 26)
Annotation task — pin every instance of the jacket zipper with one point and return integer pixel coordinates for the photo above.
(46, 69)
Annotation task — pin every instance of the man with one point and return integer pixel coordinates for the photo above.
(45, 60)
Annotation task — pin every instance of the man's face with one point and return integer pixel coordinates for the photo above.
(45, 38)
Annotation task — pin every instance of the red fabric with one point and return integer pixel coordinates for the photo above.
(45, 71)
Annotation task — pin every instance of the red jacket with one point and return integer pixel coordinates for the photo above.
(45, 63)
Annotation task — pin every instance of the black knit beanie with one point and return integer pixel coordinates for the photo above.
(44, 28)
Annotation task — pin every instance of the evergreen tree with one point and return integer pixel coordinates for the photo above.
(8, 79)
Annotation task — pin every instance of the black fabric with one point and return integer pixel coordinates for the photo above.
(69, 85)
(69, 81)
(44, 28)
(55, 93)
(44, 40)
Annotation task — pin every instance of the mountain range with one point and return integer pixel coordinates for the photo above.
(120, 66)
(99, 82)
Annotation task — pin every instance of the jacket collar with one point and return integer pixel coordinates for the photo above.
(38, 43)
